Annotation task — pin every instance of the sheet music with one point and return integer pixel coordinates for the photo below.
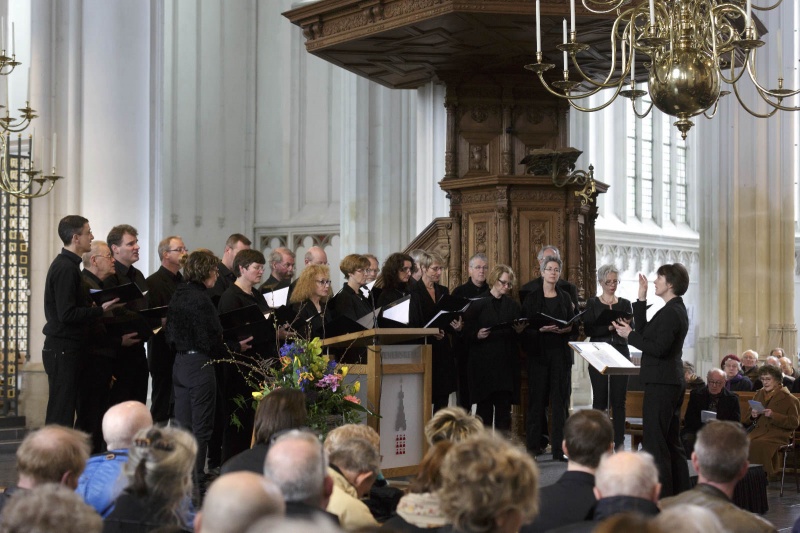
(604, 357)
(277, 298)
(399, 312)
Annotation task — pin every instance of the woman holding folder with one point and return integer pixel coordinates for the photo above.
(598, 323)
(493, 363)
(549, 357)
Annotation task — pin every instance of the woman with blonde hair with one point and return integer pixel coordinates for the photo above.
(310, 300)
(159, 472)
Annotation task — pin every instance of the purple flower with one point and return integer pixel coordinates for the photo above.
(331, 381)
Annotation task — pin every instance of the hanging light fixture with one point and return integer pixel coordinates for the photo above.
(693, 46)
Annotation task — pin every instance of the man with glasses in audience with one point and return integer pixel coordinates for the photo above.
(160, 357)
(475, 287)
(281, 262)
(713, 398)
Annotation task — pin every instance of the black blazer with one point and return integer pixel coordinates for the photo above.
(699, 400)
(533, 339)
(570, 499)
(661, 341)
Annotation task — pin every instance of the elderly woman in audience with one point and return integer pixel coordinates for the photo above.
(420, 509)
(489, 484)
(494, 372)
(770, 427)
(429, 292)
(159, 472)
(310, 301)
(280, 410)
(452, 423)
(608, 278)
(693, 381)
(736, 381)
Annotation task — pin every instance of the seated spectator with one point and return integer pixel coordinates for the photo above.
(102, 480)
(420, 509)
(278, 411)
(354, 466)
(770, 429)
(159, 472)
(787, 368)
(720, 460)
(53, 454)
(733, 372)
(298, 464)
(588, 436)
(750, 365)
(49, 507)
(452, 423)
(234, 501)
(775, 361)
(716, 398)
(293, 525)
(624, 482)
(489, 484)
(688, 518)
(693, 381)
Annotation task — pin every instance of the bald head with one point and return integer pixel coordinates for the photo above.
(627, 474)
(296, 462)
(122, 421)
(236, 500)
(316, 256)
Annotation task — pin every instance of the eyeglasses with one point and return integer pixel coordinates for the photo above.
(109, 256)
(406, 269)
(436, 268)
(258, 268)
(480, 267)
(554, 270)
(371, 271)
(323, 282)
(182, 250)
(505, 283)
(715, 382)
(611, 282)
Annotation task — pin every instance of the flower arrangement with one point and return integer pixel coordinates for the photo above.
(329, 401)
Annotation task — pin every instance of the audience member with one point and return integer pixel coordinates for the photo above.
(588, 435)
(714, 398)
(774, 360)
(101, 481)
(298, 464)
(234, 501)
(624, 482)
(787, 368)
(46, 508)
(720, 460)
(688, 518)
(750, 365)
(693, 381)
(770, 428)
(159, 473)
(736, 381)
(489, 484)
(452, 423)
(354, 466)
(420, 509)
(280, 410)
(52, 454)
(293, 525)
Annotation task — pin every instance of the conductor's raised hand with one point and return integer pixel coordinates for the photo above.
(642, 287)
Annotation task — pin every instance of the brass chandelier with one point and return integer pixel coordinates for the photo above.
(692, 46)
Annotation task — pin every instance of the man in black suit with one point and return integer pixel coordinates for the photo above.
(713, 397)
(235, 243)
(588, 436)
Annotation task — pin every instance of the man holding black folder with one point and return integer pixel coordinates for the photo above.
(68, 313)
(130, 367)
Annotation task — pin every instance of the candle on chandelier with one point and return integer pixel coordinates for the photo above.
(13, 41)
(633, 65)
(31, 138)
(572, 15)
(653, 13)
(748, 19)
(3, 33)
(780, 53)
(623, 58)
(28, 100)
(538, 30)
(566, 65)
(53, 160)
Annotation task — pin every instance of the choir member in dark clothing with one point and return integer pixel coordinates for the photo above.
(608, 277)
(394, 281)
(549, 359)
(235, 244)
(95, 380)
(416, 272)
(475, 287)
(282, 262)
(310, 301)
(428, 292)
(249, 267)
(131, 374)
(349, 301)
(494, 373)
(661, 341)
(372, 275)
(161, 286)
(194, 331)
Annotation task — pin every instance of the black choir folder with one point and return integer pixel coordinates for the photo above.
(612, 315)
(449, 308)
(540, 320)
(508, 325)
(245, 322)
(126, 293)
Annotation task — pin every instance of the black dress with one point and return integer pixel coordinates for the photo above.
(461, 344)
(351, 304)
(237, 439)
(619, 384)
(444, 365)
(309, 322)
(549, 369)
(494, 370)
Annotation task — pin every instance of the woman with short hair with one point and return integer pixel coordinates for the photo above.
(349, 301)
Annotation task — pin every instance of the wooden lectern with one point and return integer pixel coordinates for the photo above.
(396, 382)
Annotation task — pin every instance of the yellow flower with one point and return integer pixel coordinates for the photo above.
(314, 347)
(344, 370)
(258, 395)
(356, 386)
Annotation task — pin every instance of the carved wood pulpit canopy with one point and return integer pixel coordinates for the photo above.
(404, 44)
